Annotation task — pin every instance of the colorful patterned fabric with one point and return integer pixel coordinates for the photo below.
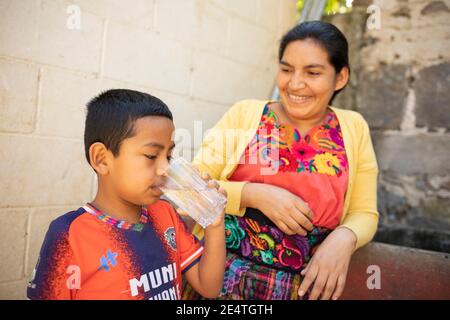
(320, 151)
(220, 156)
(313, 167)
(246, 280)
(119, 223)
(87, 254)
(262, 261)
(266, 244)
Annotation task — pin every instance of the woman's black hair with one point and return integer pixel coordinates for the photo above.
(111, 116)
(326, 35)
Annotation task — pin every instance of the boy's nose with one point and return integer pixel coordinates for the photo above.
(162, 171)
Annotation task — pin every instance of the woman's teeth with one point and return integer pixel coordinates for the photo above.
(296, 98)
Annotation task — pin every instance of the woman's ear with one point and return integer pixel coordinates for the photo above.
(342, 78)
(99, 158)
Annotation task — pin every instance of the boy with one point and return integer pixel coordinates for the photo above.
(127, 243)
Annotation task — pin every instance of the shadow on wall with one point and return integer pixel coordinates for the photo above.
(427, 239)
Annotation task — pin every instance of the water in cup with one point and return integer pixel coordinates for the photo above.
(185, 187)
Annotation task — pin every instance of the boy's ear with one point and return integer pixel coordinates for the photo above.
(99, 158)
(342, 78)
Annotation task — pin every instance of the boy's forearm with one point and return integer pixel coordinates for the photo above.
(212, 264)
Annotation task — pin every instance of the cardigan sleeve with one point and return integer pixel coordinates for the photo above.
(362, 216)
(216, 151)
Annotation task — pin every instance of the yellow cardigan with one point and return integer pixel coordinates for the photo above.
(225, 143)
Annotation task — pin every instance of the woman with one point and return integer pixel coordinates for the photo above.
(302, 197)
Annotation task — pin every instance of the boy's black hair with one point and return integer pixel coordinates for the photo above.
(111, 116)
(327, 35)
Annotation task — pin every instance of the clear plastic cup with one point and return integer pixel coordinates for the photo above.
(185, 187)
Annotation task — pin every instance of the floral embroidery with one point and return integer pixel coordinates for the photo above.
(289, 255)
(233, 234)
(268, 245)
(303, 151)
(288, 161)
(327, 163)
(281, 146)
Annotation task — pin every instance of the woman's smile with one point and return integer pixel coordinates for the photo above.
(299, 99)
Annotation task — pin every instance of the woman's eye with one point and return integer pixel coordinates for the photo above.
(314, 73)
(285, 70)
(169, 158)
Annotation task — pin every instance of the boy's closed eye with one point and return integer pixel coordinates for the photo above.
(152, 157)
(158, 147)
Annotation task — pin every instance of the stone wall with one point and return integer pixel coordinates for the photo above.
(199, 56)
(400, 82)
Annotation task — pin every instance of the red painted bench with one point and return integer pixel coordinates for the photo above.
(405, 273)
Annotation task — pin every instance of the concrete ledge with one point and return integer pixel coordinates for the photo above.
(405, 273)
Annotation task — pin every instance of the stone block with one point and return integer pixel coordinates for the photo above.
(220, 80)
(18, 28)
(382, 96)
(136, 12)
(147, 59)
(13, 227)
(251, 44)
(433, 96)
(40, 171)
(18, 96)
(64, 96)
(412, 154)
(197, 24)
(77, 49)
(245, 9)
(16, 290)
(40, 219)
(269, 14)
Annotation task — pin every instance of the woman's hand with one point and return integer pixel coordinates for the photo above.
(327, 269)
(288, 212)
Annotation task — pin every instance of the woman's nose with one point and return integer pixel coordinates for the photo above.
(296, 83)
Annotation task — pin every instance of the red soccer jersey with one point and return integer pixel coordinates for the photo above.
(87, 254)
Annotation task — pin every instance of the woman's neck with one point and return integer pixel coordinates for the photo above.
(302, 125)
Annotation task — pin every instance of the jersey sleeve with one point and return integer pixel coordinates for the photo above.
(189, 247)
(56, 275)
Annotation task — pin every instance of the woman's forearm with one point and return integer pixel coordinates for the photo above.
(350, 236)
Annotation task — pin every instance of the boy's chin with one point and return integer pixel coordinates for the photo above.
(152, 200)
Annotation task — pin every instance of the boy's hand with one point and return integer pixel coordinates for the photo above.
(221, 219)
(206, 277)
(219, 223)
(214, 184)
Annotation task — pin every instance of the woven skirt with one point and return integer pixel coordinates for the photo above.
(247, 280)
